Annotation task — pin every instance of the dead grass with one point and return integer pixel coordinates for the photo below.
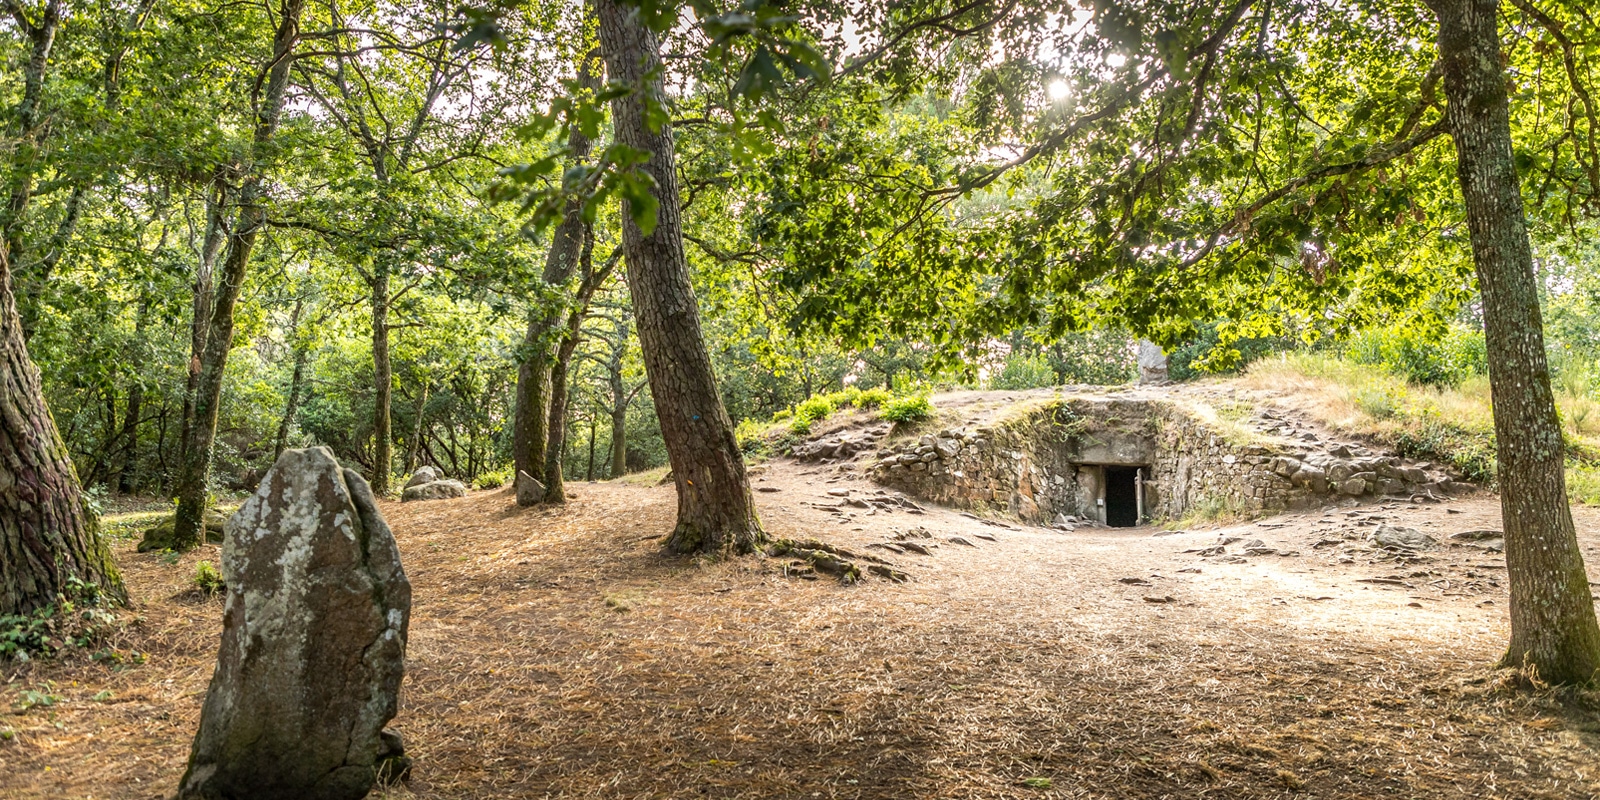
(557, 653)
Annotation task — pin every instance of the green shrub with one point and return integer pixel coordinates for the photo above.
(1024, 371)
(1421, 356)
(872, 398)
(814, 408)
(752, 437)
(1583, 484)
(493, 480)
(912, 408)
(207, 579)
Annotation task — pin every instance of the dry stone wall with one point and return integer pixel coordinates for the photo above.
(1049, 461)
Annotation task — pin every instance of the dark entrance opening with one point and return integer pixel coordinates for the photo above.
(1122, 497)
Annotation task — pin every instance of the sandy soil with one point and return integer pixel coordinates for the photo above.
(558, 653)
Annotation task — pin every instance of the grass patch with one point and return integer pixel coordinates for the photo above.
(1583, 484)
(1213, 510)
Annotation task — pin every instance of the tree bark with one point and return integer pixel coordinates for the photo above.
(531, 427)
(1553, 626)
(555, 491)
(195, 467)
(296, 377)
(589, 474)
(414, 444)
(204, 293)
(619, 441)
(129, 437)
(716, 512)
(47, 535)
(383, 379)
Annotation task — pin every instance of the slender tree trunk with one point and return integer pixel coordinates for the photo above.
(589, 473)
(555, 490)
(414, 444)
(129, 437)
(1553, 626)
(195, 469)
(200, 322)
(531, 431)
(47, 535)
(383, 379)
(715, 510)
(619, 441)
(296, 377)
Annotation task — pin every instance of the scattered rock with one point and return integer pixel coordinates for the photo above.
(440, 490)
(1477, 536)
(1134, 581)
(313, 642)
(1398, 538)
(423, 475)
(1166, 598)
(768, 489)
(960, 541)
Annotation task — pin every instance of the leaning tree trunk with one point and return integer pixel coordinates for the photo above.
(715, 510)
(383, 380)
(47, 536)
(195, 467)
(1553, 626)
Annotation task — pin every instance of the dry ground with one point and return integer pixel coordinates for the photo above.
(557, 653)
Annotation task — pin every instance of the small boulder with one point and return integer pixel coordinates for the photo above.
(313, 642)
(423, 475)
(437, 490)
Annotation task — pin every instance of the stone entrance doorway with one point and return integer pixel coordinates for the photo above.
(1122, 496)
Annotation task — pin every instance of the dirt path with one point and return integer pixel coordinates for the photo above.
(556, 653)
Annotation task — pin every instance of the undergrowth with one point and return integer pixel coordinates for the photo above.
(80, 618)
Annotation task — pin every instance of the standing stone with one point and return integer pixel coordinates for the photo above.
(313, 642)
(1152, 363)
(530, 492)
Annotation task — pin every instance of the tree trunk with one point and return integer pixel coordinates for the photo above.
(531, 431)
(589, 473)
(619, 441)
(47, 535)
(383, 379)
(414, 444)
(1553, 626)
(195, 468)
(200, 322)
(296, 377)
(715, 510)
(27, 130)
(555, 491)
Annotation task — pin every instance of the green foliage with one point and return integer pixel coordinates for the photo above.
(907, 409)
(872, 398)
(207, 579)
(1024, 371)
(493, 479)
(79, 618)
(1583, 484)
(1423, 356)
(1207, 354)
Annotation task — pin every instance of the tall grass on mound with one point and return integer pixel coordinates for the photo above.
(1452, 424)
